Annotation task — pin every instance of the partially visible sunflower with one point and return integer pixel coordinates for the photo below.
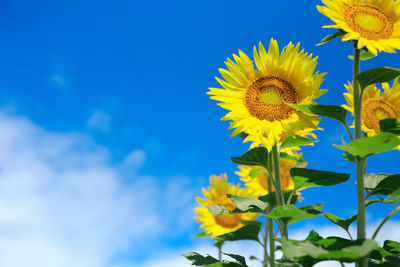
(257, 98)
(255, 177)
(375, 105)
(375, 24)
(216, 225)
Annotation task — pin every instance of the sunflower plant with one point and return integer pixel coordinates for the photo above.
(271, 103)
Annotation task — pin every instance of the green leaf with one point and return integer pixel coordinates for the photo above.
(217, 209)
(287, 156)
(331, 37)
(365, 147)
(198, 260)
(292, 214)
(344, 223)
(390, 125)
(392, 246)
(255, 157)
(239, 258)
(225, 264)
(247, 204)
(303, 177)
(390, 185)
(365, 55)
(295, 141)
(376, 75)
(331, 248)
(271, 198)
(372, 180)
(249, 231)
(330, 111)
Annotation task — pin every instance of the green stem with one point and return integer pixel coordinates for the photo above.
(348, 131)
(349, 235)
(220, 253)
(278, 188)
(265, 244)
(269, 221)
(393, 212)
(359, 162)
(277, 174)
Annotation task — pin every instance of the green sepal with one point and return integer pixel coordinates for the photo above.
(365, 147)
(331, 37)
(255, 157)
(295, 141)
(202, 234)
(303, 177)
(365, 55)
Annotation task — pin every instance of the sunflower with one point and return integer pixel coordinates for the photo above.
(255, 177)
(216, 225)
(375, 24)
(375, 105)
(257, 98)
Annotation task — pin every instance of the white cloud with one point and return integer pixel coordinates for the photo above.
(99, 121)
(247, 248)
(63, 204)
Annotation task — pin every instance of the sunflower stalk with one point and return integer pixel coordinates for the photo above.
(359, 162)
(278, 188)
(269, 221)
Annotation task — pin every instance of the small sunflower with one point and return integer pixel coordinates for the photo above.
(375, 24)
(216, 225)
(257, 98)
(375, 105)
(255, 177)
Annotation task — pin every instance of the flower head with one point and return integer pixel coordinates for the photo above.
(375, 24)
(375, 105)
(258, 98)
(216, 225)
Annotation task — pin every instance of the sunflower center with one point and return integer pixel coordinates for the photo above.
(228, 220)
(265, 99)
(369, 21)
(376, 110)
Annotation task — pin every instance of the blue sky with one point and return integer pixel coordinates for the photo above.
(117, 89)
